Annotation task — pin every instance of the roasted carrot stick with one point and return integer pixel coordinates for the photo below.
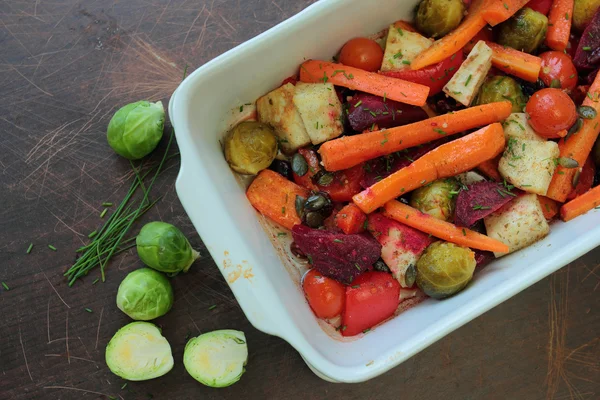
(454, 41)
(445, 161)
(577, 146)
(349, 151)
(441, 229)
(274, 197)
(496, 11)
(314, 71)
(407, 26)
(559, 24)
(490, 169)
(580, 205)
(549, 207)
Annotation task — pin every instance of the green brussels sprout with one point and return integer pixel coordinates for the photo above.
(250, 147)
(145, 294)
(165, 248)
(445, 269)
(436, 18)
(138, 352)
(216, 359)
(524, 31)
(437, 199)
(502, 88)
(135, 130)
(583, 11)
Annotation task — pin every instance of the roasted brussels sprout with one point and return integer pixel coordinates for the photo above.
(250, 147)
(445, 269)
(436, 18)
(502, 88)
(145, 294)
(524, 31)
(437, 199)
(583, 11)
(135, 130)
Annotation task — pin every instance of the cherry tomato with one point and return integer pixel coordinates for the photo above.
(550, 111)
(290, 79)
(557, 68)
(541, 6)
(362, 53)
(325, 295)
(372, 298)
(435, 76)
(586, 179)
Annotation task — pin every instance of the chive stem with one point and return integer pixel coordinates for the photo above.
(29, 248)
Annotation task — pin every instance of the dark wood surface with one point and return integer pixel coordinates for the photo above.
(65, 66)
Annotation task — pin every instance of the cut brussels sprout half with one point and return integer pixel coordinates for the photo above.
(145, 294)
(216, 359)
(138, 352)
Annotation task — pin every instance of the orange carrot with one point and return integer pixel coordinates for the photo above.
(349, 151)
(441, 229)
(490, 169)
(407, 26)
(577, 146)
(350, 219)
(454, 41)
(445, 161)
(496, 11)
(314, 71)
(559, 24)
(549, 207)
(580, 205)
(513, 62)
(274, 197)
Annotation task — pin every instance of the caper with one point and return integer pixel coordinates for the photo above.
(299, 165)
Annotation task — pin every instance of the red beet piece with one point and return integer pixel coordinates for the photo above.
(480, 200)
(373, 109)
(587, 55)
(483, 258)
(338, 256)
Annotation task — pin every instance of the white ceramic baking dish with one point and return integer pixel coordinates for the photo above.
(258, 273)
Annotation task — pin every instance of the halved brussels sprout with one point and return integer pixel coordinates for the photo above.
(436, 18)
(145, 294)
(437, 199)
(445, 269)
(217, 359)
(250, 147)
(135, 130)
(502, 88)
(524, 31)
(138, 352)
(165, 248)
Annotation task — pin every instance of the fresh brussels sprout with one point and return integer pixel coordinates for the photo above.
(445, 269)
(138, 352)
(145, 294)
(164, 247)
(502, 88)
(524, 31)
(216, 359)
(437, 199)
(583, 11)
(250, 147)
(436, 18)
(135, 130)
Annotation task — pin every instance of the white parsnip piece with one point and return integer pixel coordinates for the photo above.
(401, 48)
(516, 126)
(320, 110)
(465, 83)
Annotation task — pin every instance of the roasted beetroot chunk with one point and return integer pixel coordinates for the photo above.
(367, 109)
(480, 200)
(587, 55)
(338, 256)
(483, 258)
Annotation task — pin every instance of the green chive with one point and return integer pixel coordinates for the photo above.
(468, 80)
(88, 310)
(51, 247)
(358, 103)
(91, 235)
(403, 94)
(103, 213)
(505, 5)
(464, 232)
(107, 204)
(406, 62)
(212, 307)
(29, 248)
(241, 108)
(586, 48)
(366, 330)
(280, 234)
(96, 281)
(338, 241)
(5, 286)
(124, 386)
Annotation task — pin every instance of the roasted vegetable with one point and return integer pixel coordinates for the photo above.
(320, 110)
(437, 199)
(250, 147)
(445, 269)
(366, 110)
(524, 31)
(502, 88)
(479, 200)
(465, 83)
(587, 55)
(583, 12)
(401, 47)
(436, 18)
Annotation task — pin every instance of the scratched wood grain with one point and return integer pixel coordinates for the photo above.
(65, 67)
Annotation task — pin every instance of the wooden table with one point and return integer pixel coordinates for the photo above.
(65, 67)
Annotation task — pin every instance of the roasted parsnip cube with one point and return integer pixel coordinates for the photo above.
(465, 83)
(401, 47)
(516, 126)
(320, 110)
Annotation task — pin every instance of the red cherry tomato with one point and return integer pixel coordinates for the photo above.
(550, 111)
(541, 6)
(557, 67)
(435, 76)
(290, 79)
(362, 53)
(586, 179)
(325, 295)
(372, 298)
